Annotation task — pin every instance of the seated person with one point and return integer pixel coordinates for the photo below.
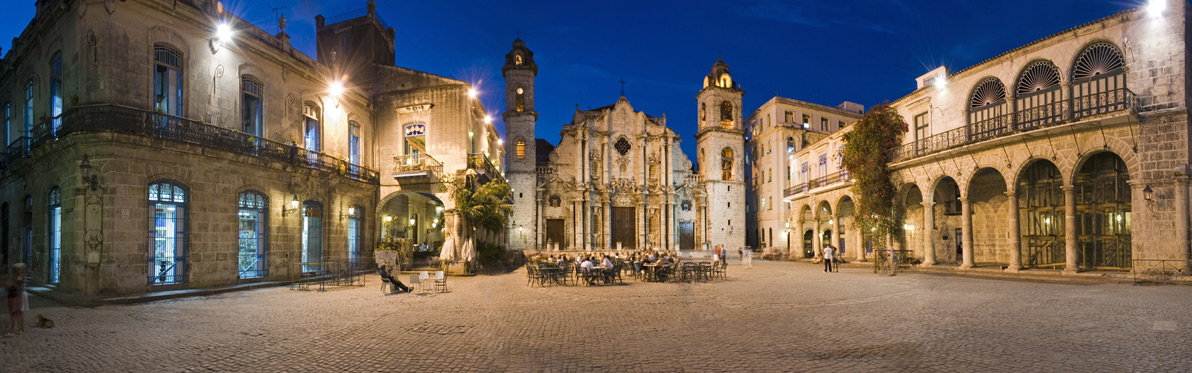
(607, 263)
(392, 280)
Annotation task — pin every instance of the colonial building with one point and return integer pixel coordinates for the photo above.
(618, 179)
(1068, 153)
(159, 145)
(776, 131)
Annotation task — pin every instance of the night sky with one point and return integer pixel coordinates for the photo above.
(866, 51)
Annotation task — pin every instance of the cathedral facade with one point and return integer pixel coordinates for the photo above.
(618, 178)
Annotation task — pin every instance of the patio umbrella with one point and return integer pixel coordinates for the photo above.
(447, 253)
(468, 251)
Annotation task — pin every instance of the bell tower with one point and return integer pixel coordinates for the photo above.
(521, 163)
(720, 141)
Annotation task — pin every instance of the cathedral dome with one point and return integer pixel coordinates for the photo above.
(719, 76)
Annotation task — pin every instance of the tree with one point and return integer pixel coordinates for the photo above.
(482, 206)
(868, 151)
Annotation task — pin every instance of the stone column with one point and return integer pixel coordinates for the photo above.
(1014, 241)
(966, 218)
(928, 240)
(608, 227)
(1181, 218)
(857, 241)
(835, 233)
(541, 219)
(1070, 240)
(797, 233)
(816, 245)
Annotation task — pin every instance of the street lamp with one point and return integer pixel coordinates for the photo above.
(91, 180)
(293, 208)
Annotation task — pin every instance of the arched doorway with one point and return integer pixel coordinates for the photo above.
(825, 219)
(808, 250)
(418, 219)
(946, 210)
(1041, 214)
(987, 205)
(912, 221)
(1103, 213)
(845, 211)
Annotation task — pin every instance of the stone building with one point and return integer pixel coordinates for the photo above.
(159, 145)
(618, 179)
(1068, 153)
(776, 131)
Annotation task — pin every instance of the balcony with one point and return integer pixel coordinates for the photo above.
(1023, 120)
(820, 182)
(110, 118)
(416, 166)
(480, 163)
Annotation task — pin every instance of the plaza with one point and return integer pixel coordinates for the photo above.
(781, 316)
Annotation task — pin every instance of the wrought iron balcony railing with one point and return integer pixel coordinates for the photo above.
(415, 165)
(794, 190)
(105, 118)
(482, 165)
(1036, 117)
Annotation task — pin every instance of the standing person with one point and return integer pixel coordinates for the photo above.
(747, 257)
(716, 254)
(18, 302)
(829, 258)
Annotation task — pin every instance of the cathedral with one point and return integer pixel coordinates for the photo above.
(618, 178)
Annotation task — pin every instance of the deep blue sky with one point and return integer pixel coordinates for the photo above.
(866, 51)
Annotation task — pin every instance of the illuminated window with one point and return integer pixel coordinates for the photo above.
(29, 109)
(726, 114)
(311, 137)
(353, 142)
(355, 231)
(517, 60)
(520, 149)
(56, 92)
(167, 80)
(726, 164)
(55, 235)
(252, 233)
(251, 113)
(521, 99)
(167, 224)
(312, 235)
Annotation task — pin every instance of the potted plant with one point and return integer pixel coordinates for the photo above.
(392, 252)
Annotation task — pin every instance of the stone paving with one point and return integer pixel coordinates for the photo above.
(780, 316)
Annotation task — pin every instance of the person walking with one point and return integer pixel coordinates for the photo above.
(829, 263)
(747, 257)
(18, 302)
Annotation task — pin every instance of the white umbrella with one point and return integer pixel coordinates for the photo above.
(447, 253)
(469, 251)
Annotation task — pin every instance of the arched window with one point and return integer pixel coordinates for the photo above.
(56, 92)
(54, 230)
(726, 114)
(167, 80)
(1037, 95)
(312, 129)
(703, 113)
(520, 102)
(1098, 80)
(520, 148)
(353, 142)
(167, 233)
(251, 113)
(517, 59)
(726, 164)
(312, 235)
(355, 231)
(725, 81)
(986, 109)
(253, 234)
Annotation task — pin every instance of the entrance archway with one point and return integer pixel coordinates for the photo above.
(416, 217)
(987, 204)
(1103, 213)
(808, 250)
(1041, 213)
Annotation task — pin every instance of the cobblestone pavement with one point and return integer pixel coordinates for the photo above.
(778, 317)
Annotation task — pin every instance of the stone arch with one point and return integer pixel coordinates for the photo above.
(1114, 145)
(1038, 188)
(1036, 75)
(1086, 47)
(824, 210)
(1104, 200)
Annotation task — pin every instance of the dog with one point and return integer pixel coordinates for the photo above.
(43, 322)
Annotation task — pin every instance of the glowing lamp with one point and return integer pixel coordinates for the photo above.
(1155, 8)
(223, 32)
(336, 89)
(472, 93)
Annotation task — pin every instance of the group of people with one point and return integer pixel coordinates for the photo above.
(18, 300)
(830, 263)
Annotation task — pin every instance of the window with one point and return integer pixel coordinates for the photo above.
(622, 146)
(520, 148)
(726, 164)
(823, 165)
(253, 232)
(355, 231)
(167, 80)
(353, 142)
(55, 232)
(28, 109)
(790, 145)
(788, 175)
(251, 113)
(311, 127)
(703, 114)
(7, 123)
(921, 131)
(726, 115)
(56, 92)
(517, 59)
(555, 201)
(686, 205)
(415, 138)
(806, 121)
(803, 172)
(824, 124)
(521, 100)
(789, 117)
(840, 124)
(312, 235)
(167, 230)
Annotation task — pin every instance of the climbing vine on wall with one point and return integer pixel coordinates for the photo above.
(868, 151)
